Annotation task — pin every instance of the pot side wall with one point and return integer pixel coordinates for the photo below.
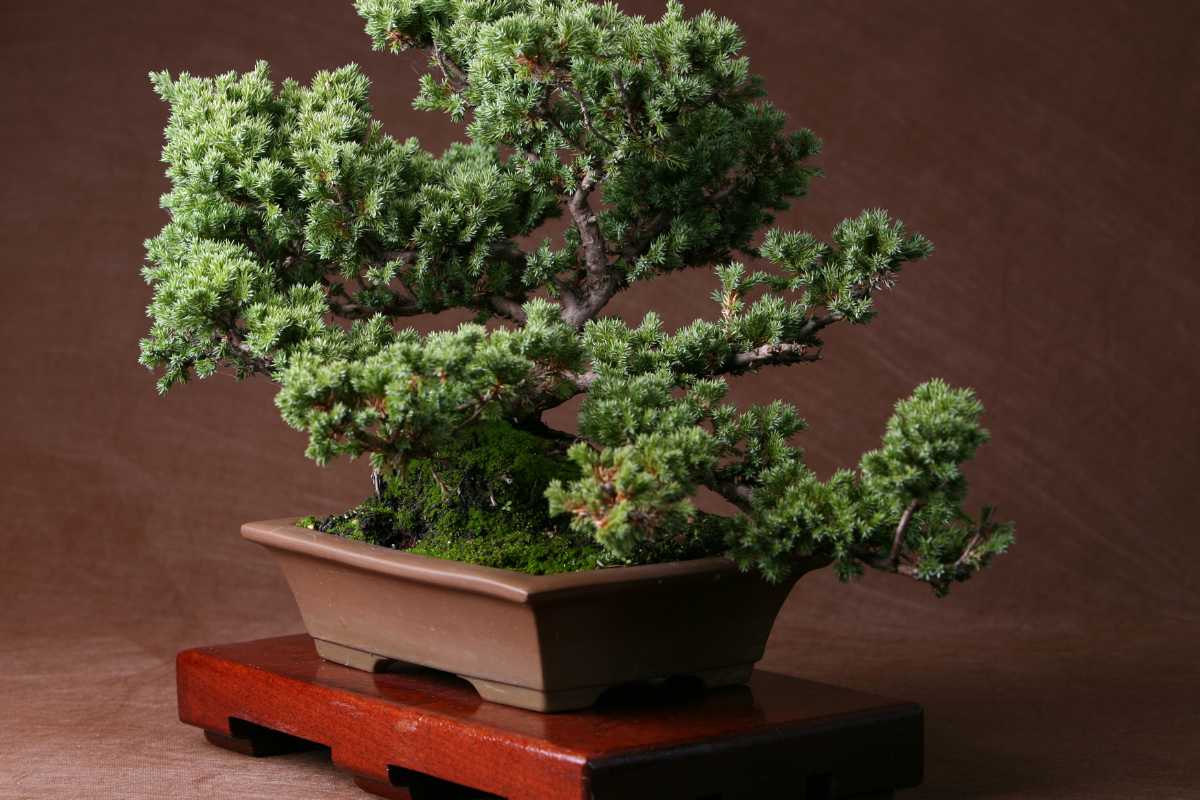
(433, 626)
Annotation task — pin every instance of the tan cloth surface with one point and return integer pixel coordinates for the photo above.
(1010, 714)
(1048, 149)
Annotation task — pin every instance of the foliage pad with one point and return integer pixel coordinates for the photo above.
(302, 234)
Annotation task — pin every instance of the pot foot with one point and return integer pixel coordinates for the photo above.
(358, 659)
(534, 700)
(586, 697)
(405, 784)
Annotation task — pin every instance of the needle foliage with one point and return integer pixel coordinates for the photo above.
(301, 235)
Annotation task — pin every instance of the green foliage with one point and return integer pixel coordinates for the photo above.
(481, 499)
(301, 235)
(666, 110)
(900, 511)
(637, 485)
(418, 394)
(490, 478)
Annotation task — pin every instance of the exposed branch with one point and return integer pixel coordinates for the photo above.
(739, 494)
(507, 307)
(768, 354)
(398, 305)
(895, 561)
(582, 380)
(257, 364)
(452, 72)
(586, 222)
(627, 103)
(567, 87)
(637, 244)
(599, 283)
(984, 531)
(893, 556)
(557, 388)
(384, 256)
(815, 325)
(741, 362)
(247, 358)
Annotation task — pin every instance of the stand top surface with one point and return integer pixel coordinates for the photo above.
(658, 717)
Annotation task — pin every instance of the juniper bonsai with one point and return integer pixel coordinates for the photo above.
(301, 235)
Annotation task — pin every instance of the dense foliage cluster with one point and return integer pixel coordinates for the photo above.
(301, 234)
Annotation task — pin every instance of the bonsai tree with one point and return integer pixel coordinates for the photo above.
(605, 150)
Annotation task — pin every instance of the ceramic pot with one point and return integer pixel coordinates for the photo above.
(541, 642)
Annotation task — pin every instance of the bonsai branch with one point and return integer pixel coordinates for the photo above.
(982, 533)
(768, 354)
(506, 307)
(894, 561)
(455, 75)
(577, 383)
(246, 359)
(637, 244)
(405, 304)
(599, 283)
(568, 88)
(397, 305)
(631, 117)
(735, 492)
(893, 556)
(552, 387)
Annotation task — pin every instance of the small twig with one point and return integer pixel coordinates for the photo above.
(574, 92)
(630, 117)
(452, 72)
(980, 534)
(893, 557)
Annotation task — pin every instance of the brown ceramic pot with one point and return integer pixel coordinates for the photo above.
(542, 642)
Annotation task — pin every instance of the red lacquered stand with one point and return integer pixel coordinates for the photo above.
(422, 734)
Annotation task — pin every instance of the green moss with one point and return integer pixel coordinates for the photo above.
(535, 553)
(492, 481)
(482, 501)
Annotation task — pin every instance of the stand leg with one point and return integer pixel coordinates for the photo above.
(404, 784)
(255, 740)
(383, 789)
(777, 737)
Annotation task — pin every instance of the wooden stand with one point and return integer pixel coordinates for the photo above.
(425, 735)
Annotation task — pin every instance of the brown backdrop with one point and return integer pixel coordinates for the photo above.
(1049, 149)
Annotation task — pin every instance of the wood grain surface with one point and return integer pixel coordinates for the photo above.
(779, 736)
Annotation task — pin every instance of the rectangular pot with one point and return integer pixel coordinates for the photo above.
(542, 642)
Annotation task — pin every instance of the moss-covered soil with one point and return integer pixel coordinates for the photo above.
(482, 501)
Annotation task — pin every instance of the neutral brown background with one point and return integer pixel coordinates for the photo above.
(1048, 148)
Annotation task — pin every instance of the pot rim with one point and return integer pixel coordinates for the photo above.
(505, 584)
